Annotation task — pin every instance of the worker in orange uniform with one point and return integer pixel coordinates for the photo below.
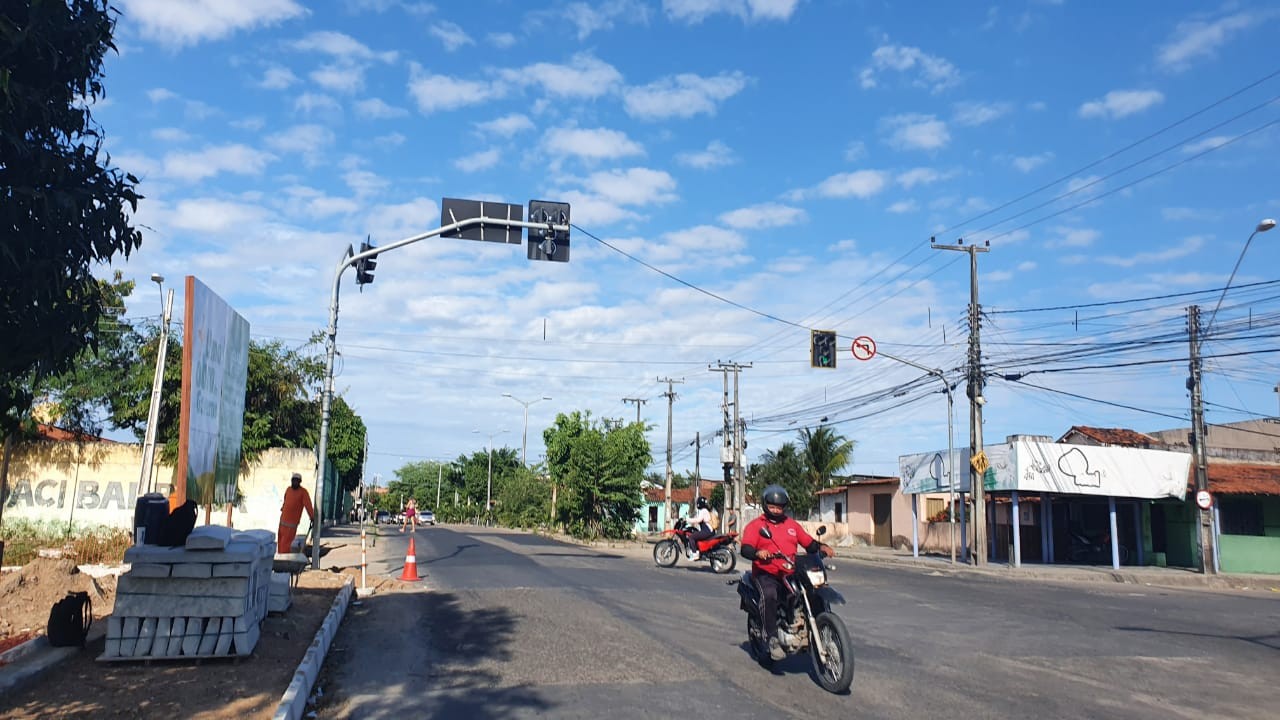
(296, 499)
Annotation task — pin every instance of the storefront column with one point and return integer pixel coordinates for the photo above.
(1115, 539)
(915, 526)
(1015, 519)
(1137, 531)
(1044, 528)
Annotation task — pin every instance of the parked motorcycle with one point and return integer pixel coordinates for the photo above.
(1085, 549)
(717, 549)
(805, 620)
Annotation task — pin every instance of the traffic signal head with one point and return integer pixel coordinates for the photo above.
(822, 348)
(366, 266)
(544, 242)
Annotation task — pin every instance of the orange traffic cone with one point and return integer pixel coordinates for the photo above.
(410, 573)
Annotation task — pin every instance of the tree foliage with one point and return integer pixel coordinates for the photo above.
(786, 467)
(598, 467)
(63, 208)
(826, 452)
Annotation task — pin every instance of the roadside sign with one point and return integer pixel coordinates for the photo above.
(864, 348)
(980, 462)
(453, 210)
(1204, 500)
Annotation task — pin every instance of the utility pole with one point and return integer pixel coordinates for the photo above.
(976, 399)
(697, 464)
(157, 384)
(670, 395)
(1208, 563)
(638, 402)
(439, 482)
(733, 432)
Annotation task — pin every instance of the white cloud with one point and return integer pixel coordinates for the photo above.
(634, 186)
(1080, 183)
(591, 18)
(378, 109)
(860, 184)
(585, 76)
(177, 24)
(683, 95)
(1027, 163)
(341, 47)
(1026, 266)
(506, 126)
(1072, 237)
(716, 154)
(170, 134)
(855, 151)
(277, 77)
(1186, 247)
(695, 11)
(1121, 103)
(763, 215)
(311, 103)
(919, 176)
(157, 95)
(305, 140)
(236, 158)
(913, 131)
(595, 144)
(394, 139)
(441, 92)
(501, 40)
(1208, 143)
(476, 162)
(1196, 38)
(451, 35)
(972, 114)
(932, 72)
(903, 206)
(205, 215)
(339, 77)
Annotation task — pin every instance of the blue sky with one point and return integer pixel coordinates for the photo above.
(791, 156)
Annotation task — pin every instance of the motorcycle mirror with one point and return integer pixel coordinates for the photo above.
(764, 533)
(822, 530)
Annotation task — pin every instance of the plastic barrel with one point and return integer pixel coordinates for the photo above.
(148, 516)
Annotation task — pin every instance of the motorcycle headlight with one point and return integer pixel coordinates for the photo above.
(817, 577)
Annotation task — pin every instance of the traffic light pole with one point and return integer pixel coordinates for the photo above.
(350, 258)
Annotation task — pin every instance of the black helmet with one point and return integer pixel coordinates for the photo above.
(702, 503)
(775, 495)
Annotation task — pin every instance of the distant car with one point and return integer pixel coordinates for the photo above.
(383, 517)
(426, 517)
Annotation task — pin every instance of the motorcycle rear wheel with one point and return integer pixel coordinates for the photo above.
(665, 553)
(835, 675)
(757, 643)
(723, 560)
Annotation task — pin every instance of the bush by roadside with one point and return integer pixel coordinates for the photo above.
(87, 545)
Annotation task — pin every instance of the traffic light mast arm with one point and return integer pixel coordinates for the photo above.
(331, 341)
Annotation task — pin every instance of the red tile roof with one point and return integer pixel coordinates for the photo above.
(1122, 437)
(678, 495)
(1241, 479)
(51, 432)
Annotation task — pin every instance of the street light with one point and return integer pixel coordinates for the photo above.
(1208, 533)
(524, 440)
(157, 383)
(488, 493)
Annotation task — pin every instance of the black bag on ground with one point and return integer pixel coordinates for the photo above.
(69, 620)
(178, 525)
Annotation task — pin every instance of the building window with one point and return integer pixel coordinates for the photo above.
(934, 507)
(1240, 515)
(839, 512)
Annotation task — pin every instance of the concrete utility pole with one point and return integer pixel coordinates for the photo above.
(697, 464)
(670, 395)
(157, 384)
(976, 400)
(1199, 438)
(638, 402)
(731, 453)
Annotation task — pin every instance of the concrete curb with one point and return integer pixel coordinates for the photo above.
(294, 701)
(35, 657)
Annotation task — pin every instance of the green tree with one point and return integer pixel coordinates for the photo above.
(598, 466)
(786, 467)
(826, 452)
(63, 208)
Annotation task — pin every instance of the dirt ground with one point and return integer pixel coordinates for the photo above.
(81, 687)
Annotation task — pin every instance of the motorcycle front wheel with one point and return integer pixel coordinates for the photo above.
(836, 674)
(722, 560)
(757, 643)
(665, 553)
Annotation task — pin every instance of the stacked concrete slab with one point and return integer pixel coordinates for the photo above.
(207, 599)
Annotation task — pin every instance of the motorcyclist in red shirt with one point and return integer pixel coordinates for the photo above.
(770, 557)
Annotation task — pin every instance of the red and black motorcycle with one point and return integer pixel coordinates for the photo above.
(719, 550)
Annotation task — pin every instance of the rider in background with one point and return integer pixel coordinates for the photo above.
(701, 523)
(771, 556)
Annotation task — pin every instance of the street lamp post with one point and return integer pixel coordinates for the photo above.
(488, 493)
(157, 385)
(1207, 534)
(524, 439)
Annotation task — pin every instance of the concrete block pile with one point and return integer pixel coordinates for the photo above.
(207, 599)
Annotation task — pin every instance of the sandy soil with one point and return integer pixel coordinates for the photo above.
(81, 687)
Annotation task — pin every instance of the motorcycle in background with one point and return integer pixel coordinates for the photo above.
(805, 620)
(717, 549)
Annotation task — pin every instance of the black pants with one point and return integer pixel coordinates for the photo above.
(701, 533)
(770, 588)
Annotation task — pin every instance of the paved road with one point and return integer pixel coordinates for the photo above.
(519, 626)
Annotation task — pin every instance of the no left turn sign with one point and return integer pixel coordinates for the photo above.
(1204, 500)
(864, 348)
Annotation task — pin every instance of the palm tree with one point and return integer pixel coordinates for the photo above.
(826, 452)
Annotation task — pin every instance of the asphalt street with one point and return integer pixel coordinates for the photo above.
(511, 625)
